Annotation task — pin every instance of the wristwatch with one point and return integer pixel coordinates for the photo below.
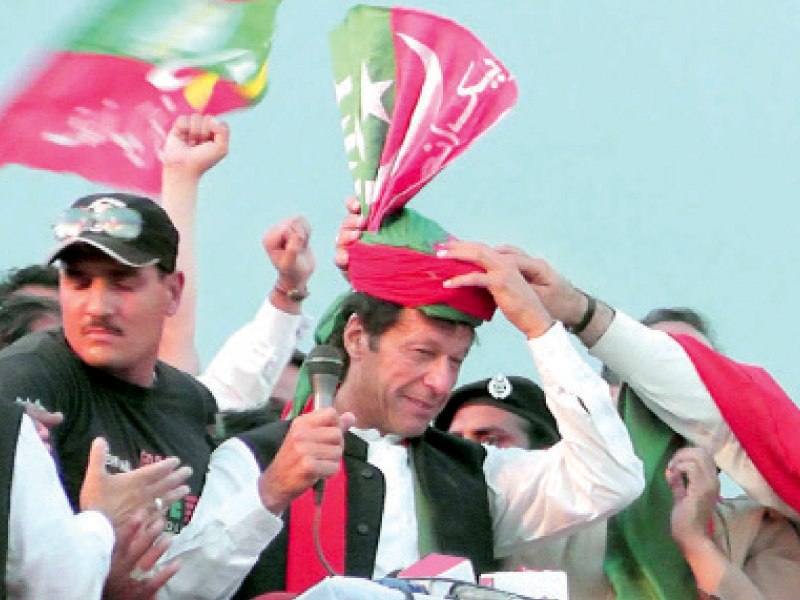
(294, 294)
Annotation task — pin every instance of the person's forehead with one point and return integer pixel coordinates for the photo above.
(480, 415)
(84, 258)
(414, 323)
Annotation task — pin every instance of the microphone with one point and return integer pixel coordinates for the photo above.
(324, 366)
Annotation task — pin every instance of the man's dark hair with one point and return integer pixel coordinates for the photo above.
(376, 315)
(19, 313)
(681, 314)
(45, 276)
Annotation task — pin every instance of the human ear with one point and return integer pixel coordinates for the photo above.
(173, 286)
(355, 338)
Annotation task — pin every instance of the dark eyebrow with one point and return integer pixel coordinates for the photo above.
(124, 271)
(486, 430)
(117, 272)
(71, 270)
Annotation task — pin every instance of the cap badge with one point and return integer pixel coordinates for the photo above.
(499, 387)
(103, 204)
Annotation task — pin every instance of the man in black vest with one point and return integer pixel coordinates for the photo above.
(407, 489)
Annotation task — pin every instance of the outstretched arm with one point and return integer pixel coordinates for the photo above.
(518, 301)
(244, 371)
(560, 298)
(593, 472)
(657, 368)
(194, 145)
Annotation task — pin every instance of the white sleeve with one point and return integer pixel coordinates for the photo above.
(662, 374)
(244, 371)
(52, 552)
(229, 529)
(589, 475)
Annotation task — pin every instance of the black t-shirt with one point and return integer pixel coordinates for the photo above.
(141, 425)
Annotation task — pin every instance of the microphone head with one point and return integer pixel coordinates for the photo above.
(324, 360)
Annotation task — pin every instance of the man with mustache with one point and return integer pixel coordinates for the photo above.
(118, 284)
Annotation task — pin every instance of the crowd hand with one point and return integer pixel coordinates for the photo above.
(44, 420)
(140, 542)
(119, 496)
(195, 144)
(693, 479)
(287, 245)
(502, 278)
(560, 298)
(349, 231)
(312, 450)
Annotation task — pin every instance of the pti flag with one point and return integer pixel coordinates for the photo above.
(415, 90)
(102, 104)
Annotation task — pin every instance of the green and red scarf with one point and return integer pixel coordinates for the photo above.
(762, 417)
(642, 561)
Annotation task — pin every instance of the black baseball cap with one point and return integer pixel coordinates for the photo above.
(133, 230)
(517, 395)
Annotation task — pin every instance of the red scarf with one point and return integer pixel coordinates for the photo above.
(303, 567)
(760, 414)
(415, 279)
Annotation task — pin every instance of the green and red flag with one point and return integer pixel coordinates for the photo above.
(102, 103)
(415, 90)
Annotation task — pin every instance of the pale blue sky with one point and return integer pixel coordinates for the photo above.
(651, 158)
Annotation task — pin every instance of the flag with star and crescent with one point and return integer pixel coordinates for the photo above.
(102, 103)
(415, 90)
